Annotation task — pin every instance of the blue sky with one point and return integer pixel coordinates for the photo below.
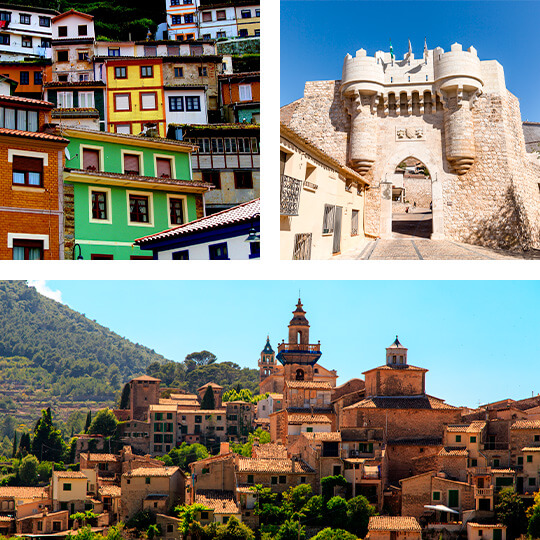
(479, 339)
(317, 34)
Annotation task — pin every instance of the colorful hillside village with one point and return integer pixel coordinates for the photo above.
(420, 465)
(105, 142)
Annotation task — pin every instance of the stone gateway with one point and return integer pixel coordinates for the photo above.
(452, 112)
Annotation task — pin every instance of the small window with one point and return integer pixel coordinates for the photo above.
(176, 103)
(38, 77)
(212, 177)
(67, 487)
(120, 72)
(532, 481)
(474, 462)
(99, 205)
(282, 479)
(91, 159)
(139, 209)
(243, 32)
(520, 460)
(245, 92)
(25, 77)
(150, 50)
(274, 480)
(62, 56)
(83, 56)
(62, 31)
(179, 72)
(27, 250)
(176, 19)
(147, 480)
(458, 438)
(328, 219)
(131, 164)
(163, 168)
(86, 100)
(243, 180)
(27, 42)
(203, 71)
(250, 479)
(83, 30)
(207, 16)
(4, 39)
(27, 171)
(257, 13)
(147, 71)
(537, 438)
(354, 223)
(25, 19)
(113, 51)
(246, 13)
(204, 515)
(45, 43)
(175, 2)
(188, 19)
(193, 103)
(65, 100)
(45, 21)
(218, 252)
(173, 50)
(473, 439)
(176, 210)
(148, 101)
(221, 15)
(122, 102)
(529, 459)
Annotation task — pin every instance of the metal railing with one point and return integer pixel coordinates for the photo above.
(289, 196)
(299, 347)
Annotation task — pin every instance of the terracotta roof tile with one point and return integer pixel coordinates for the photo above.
(212, 384)
(102, 457)
(23, 492)
(152, 471)
(70, 474)
(485, 525)
(394, 523)
(531, 449)
(238, 214)
(110, 491)
(308, 418)
(454, 452)
(474, 427)
(401, 402)
(221, 502)
(272, 465)
(269, 451)
(332, 436)
(146, 378)
(28, 101)
(397, 367)
(33, 135)
(526, 424)
(309, 384)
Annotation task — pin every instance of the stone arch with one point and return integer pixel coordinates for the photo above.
(423, 154)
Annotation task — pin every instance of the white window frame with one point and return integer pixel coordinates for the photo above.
(184, 208)
(245, 89)
(64, 95)
(165, 156)
(86, 95)
(133, 152)
(92, 147)
(107, 191)
(28, 153)
(26, 236)
(150, 196)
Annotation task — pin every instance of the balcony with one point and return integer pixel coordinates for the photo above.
(495, 446)
(301, 347)
(480, 471)
(483, 492)
(289, 196)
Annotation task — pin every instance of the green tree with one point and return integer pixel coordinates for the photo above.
(313, 511)
(234, 530)
(334, 534)
(28, 470)
(188, 516)
(104, 423)
(289, 531)
(47, 444)
(533, 515)
(358, 512)
(295, 498)
(184, 455)
(88, 421)
(337, 511)
(510, 511)
(24, 444)
(202, 358)
(153, 531)
(125, 397)
(328, 485)
(208, 402)
(14, 452)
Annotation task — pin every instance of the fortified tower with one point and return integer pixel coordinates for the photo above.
(267, 361)
(448, 110)
(298, 356)
(144, 391)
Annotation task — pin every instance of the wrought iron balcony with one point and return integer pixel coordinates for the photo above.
(289, 196)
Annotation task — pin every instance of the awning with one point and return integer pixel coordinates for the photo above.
(440, 508)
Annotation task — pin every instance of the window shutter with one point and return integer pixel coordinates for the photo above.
(122, 102)
(131, 164)
(163, 168)
(22, 163)
(91, 159)
(148, 101)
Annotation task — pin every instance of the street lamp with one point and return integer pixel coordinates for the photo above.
(80, 257)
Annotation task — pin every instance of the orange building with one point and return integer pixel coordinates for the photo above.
(240, 97)
(28, 75)
(135, 98)
(31, 189)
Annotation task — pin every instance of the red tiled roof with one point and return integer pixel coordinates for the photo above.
(73, 12)
(110, 491)
(393, 523)
(332, 436)
(101, 457)
(213, 385)
(269, 451)
(308, 418)
(145, 378)
(401, 402)
(23, 492)
(474, 427)
(152, 471)
(272, 465)
(309, 384)
(28, 101)
(32, 135)
(221, 502)
(526, 424)
(69, 474)
(238, 214)
(454, 452)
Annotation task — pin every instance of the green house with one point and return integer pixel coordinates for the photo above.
(118, 188)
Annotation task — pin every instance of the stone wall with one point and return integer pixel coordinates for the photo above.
(417, 190)
(401, 458)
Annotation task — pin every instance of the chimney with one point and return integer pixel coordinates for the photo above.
(224, 448)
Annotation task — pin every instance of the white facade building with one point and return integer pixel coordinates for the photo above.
(25, 32)
(185, 105)
(217, 22)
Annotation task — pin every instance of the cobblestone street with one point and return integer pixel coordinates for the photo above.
(411, 241)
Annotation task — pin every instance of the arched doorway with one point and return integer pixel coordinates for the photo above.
(421, 159)
(411, 200)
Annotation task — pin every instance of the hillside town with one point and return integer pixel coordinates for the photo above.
(376, 455)
(130, 150)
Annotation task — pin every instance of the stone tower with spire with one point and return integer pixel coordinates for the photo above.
(267, 361)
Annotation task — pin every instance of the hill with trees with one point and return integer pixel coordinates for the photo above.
(113, 19)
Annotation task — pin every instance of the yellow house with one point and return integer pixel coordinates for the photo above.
(135, 98)
(248, 20)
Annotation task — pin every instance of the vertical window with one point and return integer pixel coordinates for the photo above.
(33, 121)
(122, 102)
(163, 168)
(354, 223)
(25, 19)
(45, 43)
(131, 164)
(62, 31)
(245, 92)
(188, 19)
(193, 103)
(90, 159)
(147, 71)
(62, 56)
(203, 71)
(243, 180)
(82, 30)
(176, 211)
(207, 16)
(86, 100)
(217, 146)
(176, 19)
(27, 42)
(25, 77)
(212, 177)
(83, 56)
(204, 146)
(148, 101)
(139, 209)
(99, 205)
(230, 145)
(221, 15)
(21, 120)
(9, 118)
(328, 218)
(44, 21)
(120, 72)
(38, 77)
(218, 252)
(178, 72)
(27, 171)
(4, 39)
(176, 103)
(27, 250)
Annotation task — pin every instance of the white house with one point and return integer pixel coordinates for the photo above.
(186, 105)
(25, 32)
(217, 22)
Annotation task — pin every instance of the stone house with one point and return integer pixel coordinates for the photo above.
(44, 523)
(531, 468)
(240, 417)
(483, 531)
(69, 491)
(393, 528)
(217, 390)
(215, 472)
(321, 202)
(269, 405)
(19, 502)
(156, 489)
(221, 506)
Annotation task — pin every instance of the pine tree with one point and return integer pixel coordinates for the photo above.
(88, 421)
(48, 444)
(124, 400)
(14, 453)
(208, 402)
